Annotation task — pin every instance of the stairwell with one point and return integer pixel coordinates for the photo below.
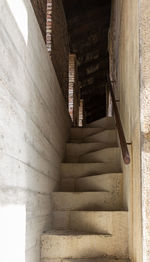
(89, 223)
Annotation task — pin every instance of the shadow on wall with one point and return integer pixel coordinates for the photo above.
(34, 127)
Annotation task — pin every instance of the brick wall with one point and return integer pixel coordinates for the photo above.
(52, 21)
(81, 113)
(74, 94)
(39, 7)
(58, 42)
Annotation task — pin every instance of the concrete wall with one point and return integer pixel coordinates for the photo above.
(124, 64)
(34, 127)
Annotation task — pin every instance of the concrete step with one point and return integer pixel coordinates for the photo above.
(105, 123)
(75, 150)
(69, 244)
(76, 170)
(87, 201)
(104, 182)
(104, 155)
(108, 137)
(99, 222)
(78, 133)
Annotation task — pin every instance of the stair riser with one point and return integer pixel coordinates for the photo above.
(87, 201)
(105, 155)
(80, 133)
(87, 169)
(106, 123)
(107, 182)
(85, 260)
(81, 246)
(74, 151)
(93, 222)
(108, 137)
(94, 260)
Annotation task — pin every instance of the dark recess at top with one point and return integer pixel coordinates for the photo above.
(88, 24)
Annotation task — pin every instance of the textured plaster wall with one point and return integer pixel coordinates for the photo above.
(124, 64)
(34, 127)
(144, 18)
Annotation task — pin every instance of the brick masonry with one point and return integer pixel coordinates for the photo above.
(74, 94)
(40, 12)
(52, 21)
(57, 42)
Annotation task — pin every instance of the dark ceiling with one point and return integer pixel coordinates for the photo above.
(88, 24)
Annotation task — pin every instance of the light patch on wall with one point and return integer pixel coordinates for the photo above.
(12, 233)
(20, 14)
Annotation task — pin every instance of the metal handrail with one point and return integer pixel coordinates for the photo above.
(123, 143)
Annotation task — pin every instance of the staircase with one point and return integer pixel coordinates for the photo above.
(89, 223)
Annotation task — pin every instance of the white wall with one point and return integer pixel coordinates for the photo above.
(34, 126)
